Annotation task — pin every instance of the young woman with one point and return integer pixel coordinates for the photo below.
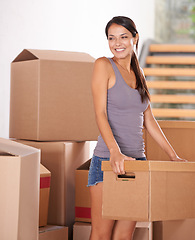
(122, 108)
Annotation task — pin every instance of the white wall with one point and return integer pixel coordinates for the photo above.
(74, 25)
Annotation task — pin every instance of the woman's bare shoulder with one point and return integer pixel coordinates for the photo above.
(102, 61)
(104, 64)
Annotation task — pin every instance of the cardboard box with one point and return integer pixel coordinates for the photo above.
(19, 191)
(174, 230)
(83, 208)
(143, 231)
(157, 190)
(61, 159)
(81, 229)
(181, 135)
(45, 178)
(51, 96)
(82, 194)
(53, 233)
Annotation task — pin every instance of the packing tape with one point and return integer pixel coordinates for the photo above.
(45, 182)
(82, 212)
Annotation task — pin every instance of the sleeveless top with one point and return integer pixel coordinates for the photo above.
(125, 116)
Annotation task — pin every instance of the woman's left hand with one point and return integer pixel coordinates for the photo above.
(178, 159)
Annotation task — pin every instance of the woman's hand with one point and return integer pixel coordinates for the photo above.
(117, 161)
(178, 159)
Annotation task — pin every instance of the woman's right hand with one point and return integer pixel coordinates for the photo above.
(117, 161)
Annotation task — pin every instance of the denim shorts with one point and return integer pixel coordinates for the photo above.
(95, 173)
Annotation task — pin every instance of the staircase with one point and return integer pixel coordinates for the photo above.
(170, 75)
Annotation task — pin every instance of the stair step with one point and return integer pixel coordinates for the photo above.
(169, 71)
(161, 98)
(169, 112)
(170, 60)
(171, 84)
(172, 48)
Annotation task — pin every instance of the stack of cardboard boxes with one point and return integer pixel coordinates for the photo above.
(51, 109)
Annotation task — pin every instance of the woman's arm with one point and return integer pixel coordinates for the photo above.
(100, 81)
(157, 134)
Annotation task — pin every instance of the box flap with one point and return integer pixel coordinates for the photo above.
(85, 166)
(141, 166)
(172, 166)
(32, 54)
(15, 148)
(6, 154)
(50, 228)
(44, 171)
(25, 55)
(129, 165)
(176, 124)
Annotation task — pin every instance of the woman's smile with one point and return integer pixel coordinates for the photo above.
(119, 49)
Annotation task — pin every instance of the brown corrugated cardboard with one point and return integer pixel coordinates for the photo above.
(82, 195)
(81, 231)
(157, 190)
(53, 233)
(181, 135)
(174, 230)
(45, 178)
(61, 159)
(51, 96)
(19, 191)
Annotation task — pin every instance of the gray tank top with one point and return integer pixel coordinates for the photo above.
(125, 116)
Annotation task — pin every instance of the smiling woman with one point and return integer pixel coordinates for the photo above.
(122, 108)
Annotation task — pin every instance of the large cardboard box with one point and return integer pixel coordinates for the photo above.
(181, 135)
(174, 230)
(45, 179)
(83, 208)
(51, 96)
(53, 233)
(19, 191)
(82, 195)
(61, 159)
(143, 231)
(153, 191)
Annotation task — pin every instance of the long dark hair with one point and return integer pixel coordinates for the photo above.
(140, 79)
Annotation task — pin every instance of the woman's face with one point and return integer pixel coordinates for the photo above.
(120, 40)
